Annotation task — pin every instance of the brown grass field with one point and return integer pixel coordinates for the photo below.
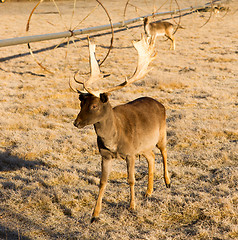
(50, 170)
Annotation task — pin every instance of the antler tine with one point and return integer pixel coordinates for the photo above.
(94, 70)
(94, 67)
(76, 80)
(72, 88)
(146, 54)
(95, 73)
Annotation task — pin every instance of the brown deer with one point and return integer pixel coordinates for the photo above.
(155, 29)
(126, 130)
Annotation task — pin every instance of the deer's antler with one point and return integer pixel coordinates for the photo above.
(146, 54)
(94, 70)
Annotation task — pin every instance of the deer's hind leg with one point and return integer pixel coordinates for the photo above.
(172, 39)
(150, 157)
(162, 147)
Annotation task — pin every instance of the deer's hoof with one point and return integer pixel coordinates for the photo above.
(95, 219)
(132, 207)
(167, 185)
(132, 211)
(148, 194)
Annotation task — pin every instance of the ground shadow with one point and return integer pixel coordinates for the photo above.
(10, 162)
(6, 233)
(18, 224)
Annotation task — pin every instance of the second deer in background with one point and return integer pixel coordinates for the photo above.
(155, 29)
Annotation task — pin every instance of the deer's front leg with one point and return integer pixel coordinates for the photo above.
(150, 157)
(106, 168)
(131, 179)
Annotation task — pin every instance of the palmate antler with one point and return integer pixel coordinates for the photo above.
(146, 54)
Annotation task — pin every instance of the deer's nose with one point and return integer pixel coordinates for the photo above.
(75, 123)
(79, 123)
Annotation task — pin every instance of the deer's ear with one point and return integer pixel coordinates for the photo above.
(81, 97)
(104, 97)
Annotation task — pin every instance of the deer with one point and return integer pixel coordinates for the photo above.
(124, 131)
(160, 28)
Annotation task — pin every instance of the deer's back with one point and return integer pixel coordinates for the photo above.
(160, 28)
(141, 123)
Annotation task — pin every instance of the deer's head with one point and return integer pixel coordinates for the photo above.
(93, 109)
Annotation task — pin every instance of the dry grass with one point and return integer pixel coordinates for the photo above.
(49, 170)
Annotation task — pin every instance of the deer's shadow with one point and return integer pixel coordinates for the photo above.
(10, 162)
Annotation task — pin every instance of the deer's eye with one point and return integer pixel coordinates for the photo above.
(94, 107)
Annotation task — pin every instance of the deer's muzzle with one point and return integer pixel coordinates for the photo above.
(78, 124)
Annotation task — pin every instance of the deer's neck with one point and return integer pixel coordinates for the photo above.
(106, 130)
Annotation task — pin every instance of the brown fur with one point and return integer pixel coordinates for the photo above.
(125, 131)
(155, 29)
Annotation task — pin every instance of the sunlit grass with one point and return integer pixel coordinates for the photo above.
(50, 170)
